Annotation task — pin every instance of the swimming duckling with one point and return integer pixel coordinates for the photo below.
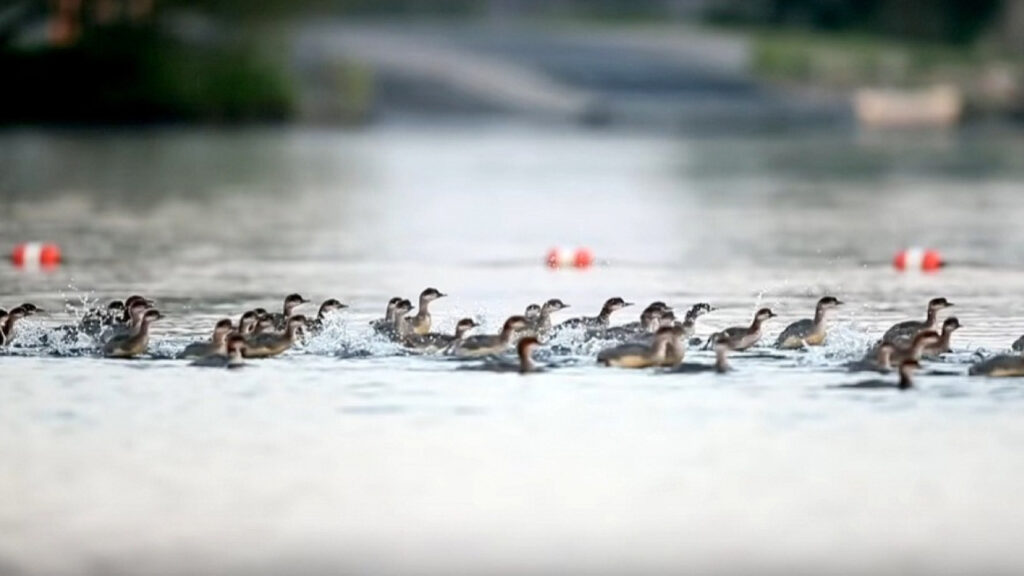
(999, 366)
(129, 324)
(905, 331)
(949, 325)
(420, 323)
(676, 351)
(400, 327)
(720, 366)
(215, 345)
(329, 306)
(231, 358)
(247, 323)
(599, 322)
(267, 344)
(639, 355)
(654, 316)
(906, 382)
(131, 345)
(808, 332)
(541, 326)
(435, 342)
(488, 344)
(264, 325)
(743, 337)
(291, 302)
(386, 324)
(9, 320)
(525, 364)
(916, 348)
(880, 360)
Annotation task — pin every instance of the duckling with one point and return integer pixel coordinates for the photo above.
(808, 332)
(487, 344)
(916, 347)
(329, 306)
(676, 351)
(386, 324)
(269, 344)
(720, 366)
(247, 323)
(653, 317)
(128, 317)
(12, 318)
(999, 366)
(532, 313)
(264, 325)
(400, 327)
(215, 345)
(743, 337)
(420, 323)
(130, 323)
(525, 364)
(639, 355)
(905, 331)
(291, 302)
(231, 358)
(540, 327)
(879, 360)
(906, 382)
(599, 322)
(949, 325)
(434, 341)
(131, 345)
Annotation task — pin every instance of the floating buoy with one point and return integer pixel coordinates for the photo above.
(918, 259)
(34, 254)
(562, 258)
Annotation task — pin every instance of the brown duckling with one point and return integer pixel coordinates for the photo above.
(215, 345)
(291, 302)
(134, 344)
(386, 325)
(267, 344)
(247, 323)
(230, 358)
(949, 325)
(808, 332)
(903, 332)
(743, 337)
(916, 348)
(639, 355)
(420, 322)
(435, 342)
(327, 308)
(487, 344)
(721, 365)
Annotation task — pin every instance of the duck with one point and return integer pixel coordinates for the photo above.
(267, 344)
(916, 348)
(638, 355)
(879, 360)
(949, 325)
(905, 382)
(436, 342)
(247, 323)
(327, 308)
(999, 366)
(231, 358)
(652, 317)
(905, 331)
(130, 322)
(524, 364)
(721, 365)
(599, 322)
(743, 337)
(488, 344)
(420, 322)
(400, 327)
(808, 332)
(676, 351)
(291, 302)
(540, 327)
(135, 343)
(386, 325)
(217, 343)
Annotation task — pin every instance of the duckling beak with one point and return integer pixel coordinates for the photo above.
(625, 304)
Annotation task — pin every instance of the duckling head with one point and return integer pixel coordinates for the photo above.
(31, 308)
(515, 323)
(951, 324)
(616, 303)
(115, 306)
(938, 304)
(431, 294)
(136, 298)
(465, 325)
(699, 309)
(532, 311)
(765, 314)
(152, 315)
(297, 322)
(403, 307)
(829, 303)
(293, 301)
(223, 326)
(526, 345)
(554, 305)
(236, 344)
(331, 305)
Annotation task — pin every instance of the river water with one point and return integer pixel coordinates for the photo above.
(346, 455)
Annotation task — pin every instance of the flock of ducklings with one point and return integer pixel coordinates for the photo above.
(657, 339)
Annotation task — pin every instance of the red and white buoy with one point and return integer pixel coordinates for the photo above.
(575, 258)
(918, 259)
(35, 254)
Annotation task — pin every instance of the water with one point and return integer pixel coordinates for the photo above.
(371, 460)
